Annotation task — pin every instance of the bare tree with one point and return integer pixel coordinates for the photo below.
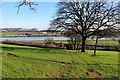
(27, 3)
(118, 12)
(118, 23)
(84, 18)
(108, 33)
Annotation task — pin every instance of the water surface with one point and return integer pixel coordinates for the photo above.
(33, 38)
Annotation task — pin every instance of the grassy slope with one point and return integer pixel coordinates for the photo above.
(30, 62)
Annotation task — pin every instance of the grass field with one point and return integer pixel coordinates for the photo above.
(31, 62)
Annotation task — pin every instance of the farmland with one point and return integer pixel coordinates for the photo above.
(32, 62)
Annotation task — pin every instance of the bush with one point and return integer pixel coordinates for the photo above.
(119, 40)
(49, 40)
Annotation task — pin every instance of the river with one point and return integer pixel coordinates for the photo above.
(33, 38)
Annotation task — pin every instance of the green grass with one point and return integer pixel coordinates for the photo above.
(103, 42)
(32, 62)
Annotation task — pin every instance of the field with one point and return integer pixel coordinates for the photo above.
(32, 62)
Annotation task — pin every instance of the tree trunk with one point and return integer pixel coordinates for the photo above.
(75, 44)
(83, 44)
(95, 46)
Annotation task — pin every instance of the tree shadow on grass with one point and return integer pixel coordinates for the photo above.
(61, 62)
(30, 48)
(98, 55)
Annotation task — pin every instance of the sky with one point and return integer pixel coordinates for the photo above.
(40, 18)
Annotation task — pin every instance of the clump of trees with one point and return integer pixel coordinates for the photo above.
(84, 18)
(74, 39)
(49, 40)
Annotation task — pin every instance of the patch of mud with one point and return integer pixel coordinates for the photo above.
(60, 73)
(93, 74)
(3, 55)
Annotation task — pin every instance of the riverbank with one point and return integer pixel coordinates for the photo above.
(46, 44)
(29, 34)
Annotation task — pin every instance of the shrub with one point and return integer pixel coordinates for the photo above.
(119, 40)
(49, 40)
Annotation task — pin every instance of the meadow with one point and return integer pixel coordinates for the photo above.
(33, 62)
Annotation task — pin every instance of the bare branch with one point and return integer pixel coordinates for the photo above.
(26, 3)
